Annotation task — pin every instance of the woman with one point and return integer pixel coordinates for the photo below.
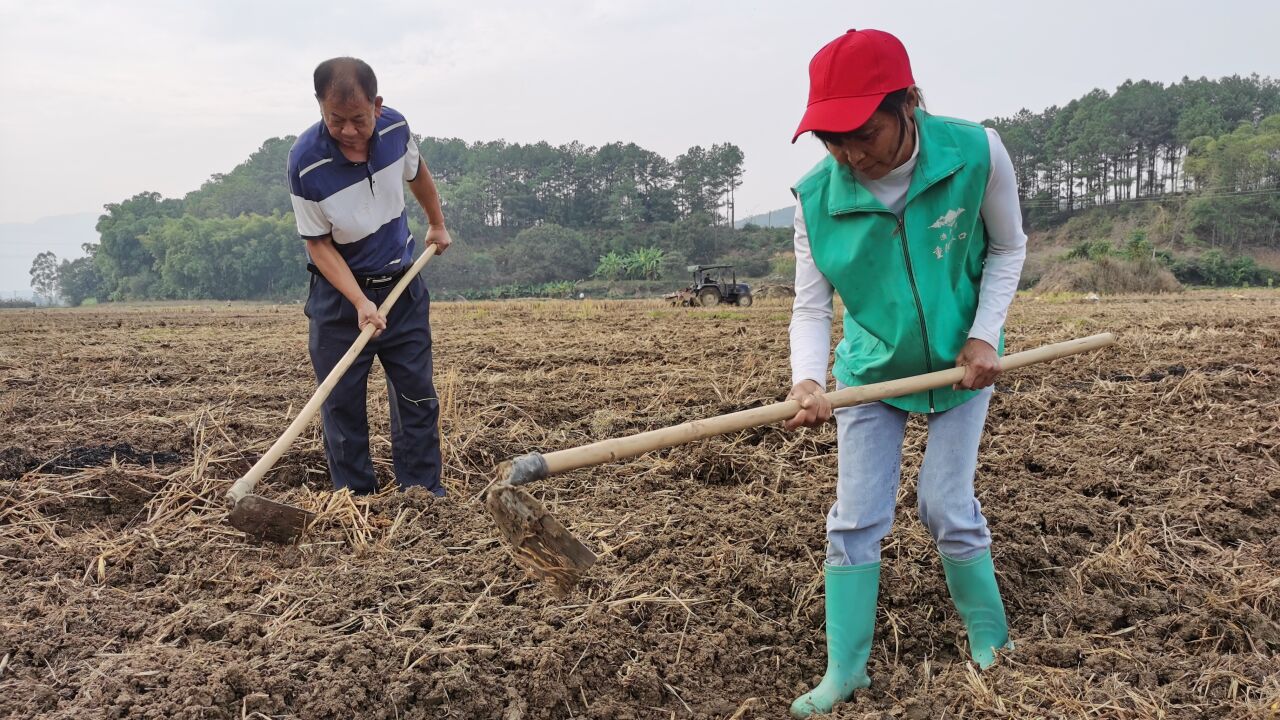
(914, 220)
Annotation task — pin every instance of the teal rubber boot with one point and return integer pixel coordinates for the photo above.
(973, 589)
(851, 621)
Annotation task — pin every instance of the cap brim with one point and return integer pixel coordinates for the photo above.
(838, 114)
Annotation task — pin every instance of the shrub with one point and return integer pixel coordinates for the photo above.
(1138, 247)
(783, 265)
(612, 266)
(1090, 250)
(1217, 269)
(546, 253)
(646, 263)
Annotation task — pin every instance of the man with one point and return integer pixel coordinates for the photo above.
(346, 181)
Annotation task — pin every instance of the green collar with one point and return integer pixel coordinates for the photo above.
(938, 158)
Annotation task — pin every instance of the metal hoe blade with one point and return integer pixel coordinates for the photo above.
(539, 543)
(268, 520)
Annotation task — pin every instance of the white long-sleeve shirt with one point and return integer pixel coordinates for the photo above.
(1006, 250)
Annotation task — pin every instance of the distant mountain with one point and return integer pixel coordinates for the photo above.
(782, 217)
(21, 242)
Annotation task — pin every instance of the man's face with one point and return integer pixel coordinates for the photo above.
(351, 120)
(877, 147)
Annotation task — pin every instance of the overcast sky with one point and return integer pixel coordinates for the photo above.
(107, 99)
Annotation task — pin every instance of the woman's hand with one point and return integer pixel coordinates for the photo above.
(815, 409)
(981, 366)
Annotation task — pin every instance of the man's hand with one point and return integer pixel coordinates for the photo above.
(367, 313)
(438, 235)
(815, 409)
(981, 366)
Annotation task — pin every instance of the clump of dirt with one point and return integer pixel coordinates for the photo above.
(14, 461)
(1132, 496)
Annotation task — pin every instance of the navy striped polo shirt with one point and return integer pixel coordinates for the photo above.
(360, 205)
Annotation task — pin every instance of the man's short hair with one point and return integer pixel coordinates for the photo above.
(343, 77)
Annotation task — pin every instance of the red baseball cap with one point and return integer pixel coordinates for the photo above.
(850, 76)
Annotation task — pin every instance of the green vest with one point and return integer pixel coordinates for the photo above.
(910, 284)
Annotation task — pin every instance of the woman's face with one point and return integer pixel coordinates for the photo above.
(879, 146)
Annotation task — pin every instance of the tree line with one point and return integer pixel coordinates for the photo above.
(525, 215)
(496, 189)
(1145, 140)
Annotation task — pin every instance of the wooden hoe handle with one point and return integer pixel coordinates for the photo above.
(244, 486)
(638, 444)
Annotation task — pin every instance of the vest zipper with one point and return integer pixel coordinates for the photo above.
(911, 277)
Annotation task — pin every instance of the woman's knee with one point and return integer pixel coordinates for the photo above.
(855, 546)
(958, 527)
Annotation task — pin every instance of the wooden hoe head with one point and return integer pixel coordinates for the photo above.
(539, 543)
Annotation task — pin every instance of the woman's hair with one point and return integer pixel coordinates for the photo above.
(895, 104)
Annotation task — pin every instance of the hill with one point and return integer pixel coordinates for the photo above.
(780, 218)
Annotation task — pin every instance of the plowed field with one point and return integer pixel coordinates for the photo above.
(1133, 495)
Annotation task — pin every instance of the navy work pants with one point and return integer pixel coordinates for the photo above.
(404, 349)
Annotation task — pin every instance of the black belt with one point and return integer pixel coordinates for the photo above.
(371, 282)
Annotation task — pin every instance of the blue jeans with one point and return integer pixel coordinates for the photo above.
(870, 446)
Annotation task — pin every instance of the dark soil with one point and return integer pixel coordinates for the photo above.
(17, 461)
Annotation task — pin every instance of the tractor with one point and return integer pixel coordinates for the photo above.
(712, 285)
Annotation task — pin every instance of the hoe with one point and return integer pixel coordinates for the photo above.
(269, 520)
(544, 548)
